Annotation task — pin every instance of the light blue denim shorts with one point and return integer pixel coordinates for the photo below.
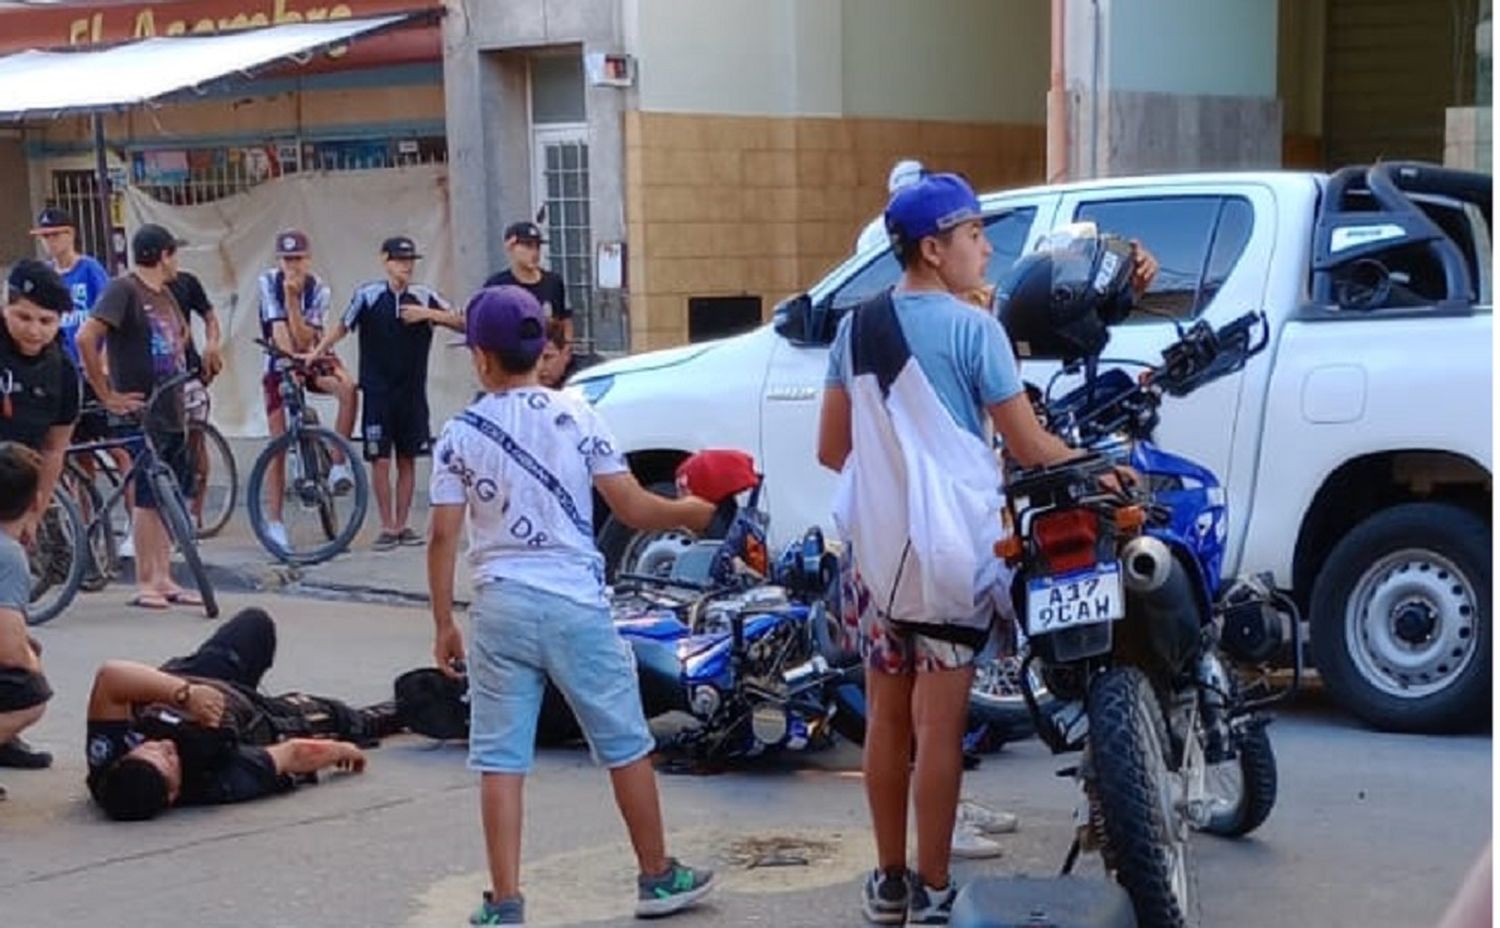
(518, 637)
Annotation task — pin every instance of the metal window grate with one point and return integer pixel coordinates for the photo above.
(569, 240)
(77, 192)
(186, 177)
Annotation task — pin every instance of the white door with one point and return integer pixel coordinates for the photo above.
(1214, 244)
(560, 194)
(799, 492)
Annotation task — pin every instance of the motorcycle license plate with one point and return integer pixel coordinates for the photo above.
(1083, 598)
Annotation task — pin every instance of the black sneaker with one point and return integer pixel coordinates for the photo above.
(930, 906)
(673, 891)
(886, 896)
(22, 756)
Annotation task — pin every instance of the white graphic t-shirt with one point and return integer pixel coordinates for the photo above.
(523, 461)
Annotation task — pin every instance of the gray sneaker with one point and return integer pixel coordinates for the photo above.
(386, 541)
(673, 891)
(886, 895)
(510, 911)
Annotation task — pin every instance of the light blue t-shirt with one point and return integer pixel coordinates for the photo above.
(962, 350)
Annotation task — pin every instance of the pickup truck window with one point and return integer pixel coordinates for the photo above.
(1006, 231)
(1197, 240)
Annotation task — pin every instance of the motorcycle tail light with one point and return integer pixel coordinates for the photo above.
(1067, 539)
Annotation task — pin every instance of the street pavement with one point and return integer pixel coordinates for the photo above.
(1371, 829)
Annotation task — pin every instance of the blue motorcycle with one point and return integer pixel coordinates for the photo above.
(1128, 622)
(744, 647)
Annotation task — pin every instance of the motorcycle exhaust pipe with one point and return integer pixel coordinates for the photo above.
(1147, 564)
(1159, 592)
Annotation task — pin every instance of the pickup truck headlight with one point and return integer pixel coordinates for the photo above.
(593, 390)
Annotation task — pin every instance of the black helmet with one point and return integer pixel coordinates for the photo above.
(1060, 301)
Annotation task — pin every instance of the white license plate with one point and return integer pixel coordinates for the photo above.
(1083, 598)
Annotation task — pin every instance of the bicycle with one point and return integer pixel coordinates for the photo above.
(102, 531)
(57, 556)
(308, 450)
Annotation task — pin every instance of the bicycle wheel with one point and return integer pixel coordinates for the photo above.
(56, 555)
(218, 479)
(316, 523)
(102, 563)
(174, 514)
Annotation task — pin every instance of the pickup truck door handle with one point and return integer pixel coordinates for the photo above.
(791, 394)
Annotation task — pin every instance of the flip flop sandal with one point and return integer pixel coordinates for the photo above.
(147, 601)
(184, 598)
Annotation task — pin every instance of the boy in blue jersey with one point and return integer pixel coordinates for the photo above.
(84, 277)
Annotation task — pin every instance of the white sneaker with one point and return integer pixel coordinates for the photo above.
(341, 478)
(984, 820)
(127, 547)
(969, 844)
(277, 533)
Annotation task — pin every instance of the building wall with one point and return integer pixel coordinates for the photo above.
(731, 205)
(15, 199)
(764, 132)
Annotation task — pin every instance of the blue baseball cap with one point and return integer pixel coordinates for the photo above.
(931, 206)
(505, 319)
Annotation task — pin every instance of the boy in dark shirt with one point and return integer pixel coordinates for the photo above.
(523, 246)
(395, 320)
(197, 731)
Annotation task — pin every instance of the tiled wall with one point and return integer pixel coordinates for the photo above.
(730, 205)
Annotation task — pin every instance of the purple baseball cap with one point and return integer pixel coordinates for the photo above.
(505, 319)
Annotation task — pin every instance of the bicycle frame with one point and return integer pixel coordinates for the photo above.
(144, 456)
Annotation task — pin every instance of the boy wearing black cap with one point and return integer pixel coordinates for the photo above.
(84, 277)
(144, 334)
(522, 464)
(523, 246)
(395, 318)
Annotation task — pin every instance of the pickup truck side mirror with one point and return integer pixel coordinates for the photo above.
(793, 319)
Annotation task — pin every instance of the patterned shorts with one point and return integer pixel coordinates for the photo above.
(884, 647)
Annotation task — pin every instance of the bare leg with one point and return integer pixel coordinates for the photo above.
(380, 473)
(640, 806)
(500, 807)
(344, 390)
(152, 553)
(940, 709)
(406, 484)
(13, 723)
(887, 762)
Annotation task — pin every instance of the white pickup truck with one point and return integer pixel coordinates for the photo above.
(1356, 450)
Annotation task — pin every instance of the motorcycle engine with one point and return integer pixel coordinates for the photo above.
(1255, 630)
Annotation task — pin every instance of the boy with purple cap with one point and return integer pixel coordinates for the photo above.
(919, 349)
(522, 463)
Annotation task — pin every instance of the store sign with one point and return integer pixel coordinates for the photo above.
(71, 26)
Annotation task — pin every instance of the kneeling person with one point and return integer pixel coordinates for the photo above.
(197, 731)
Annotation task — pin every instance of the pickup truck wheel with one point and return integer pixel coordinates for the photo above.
(627, 550)
(1401, 619)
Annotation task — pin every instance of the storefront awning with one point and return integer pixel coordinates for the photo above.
(54, 83)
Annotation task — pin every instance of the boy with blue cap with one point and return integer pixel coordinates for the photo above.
(521, 464)
(916, 378)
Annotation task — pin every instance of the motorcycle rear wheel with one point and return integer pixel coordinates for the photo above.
(1146, 834)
